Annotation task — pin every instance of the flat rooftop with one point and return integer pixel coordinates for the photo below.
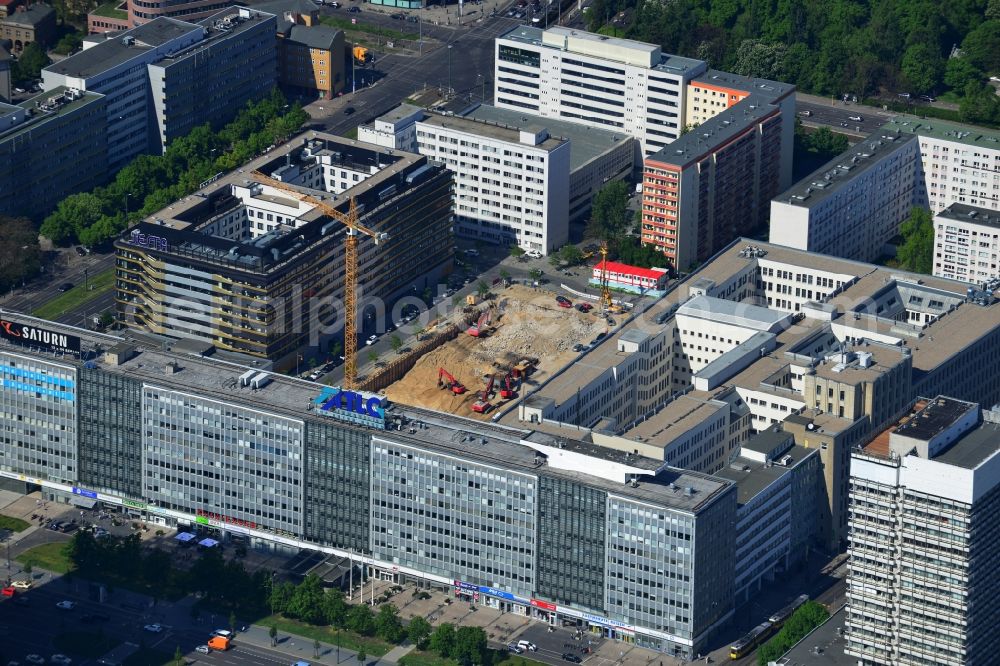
(974, 448)
(937, 416)
(883, 358)
(585, 142)
(47, 110)
(970, 215)
(290, 397)
(744, 315)
(751, 482)
(115, 51)
(676, 418)
(765, 88)
(489, 130)
(824, 646)
(970, 135)
(841, 171)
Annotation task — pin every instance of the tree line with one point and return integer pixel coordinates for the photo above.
(809, 616)
(151, 182)
(860, 47)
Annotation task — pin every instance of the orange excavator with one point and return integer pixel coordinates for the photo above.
(483, 404)
(507, 390)
(478, 330)
(447, 380)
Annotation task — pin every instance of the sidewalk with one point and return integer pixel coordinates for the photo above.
(303, 648)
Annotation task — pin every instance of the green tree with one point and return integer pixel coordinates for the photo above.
(306, 603)
(178, 656)
(69, 42)
(30, 63)
(73, 214)
(470, 646)
(20, 255)
(754, 57)
(505, 275)
(388, 626)
(361, 620)
(396, 343)
(362, 656)
(571, 254)
(273, 634)
(316, 647)
(232, 621)
(609, 211)
(482, 289)
(418, 631)
(281, 596)
(335, 608)
(442, 639)
(923, 67)
(916, 253)
(959, 72)
(516, 251)
(372, 356)
(982, 46)
(535, 274)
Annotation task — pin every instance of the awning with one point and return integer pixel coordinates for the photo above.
(208, 543)
(83, 502)
(184, 536)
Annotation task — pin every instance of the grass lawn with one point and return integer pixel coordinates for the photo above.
(385, 33)
(351, 133)
(12, 524)
(110, 10)
(348, 640)
(84, 644)
(50, 556)
(149, 657)
(422, 658)
(77, 296)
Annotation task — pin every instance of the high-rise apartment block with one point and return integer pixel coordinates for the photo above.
(250, 268)
(853, 205)
(925, 539)
(520, 179)
(589, 78)
(44, 153)
(965, 244)
(163, 78)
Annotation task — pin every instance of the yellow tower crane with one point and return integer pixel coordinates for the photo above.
(606, 300)
(350, 220)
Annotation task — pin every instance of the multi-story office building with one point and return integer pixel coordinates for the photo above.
(249, 268)
(519, 178)
(601, 81)
(311, 56)
(5, 64)
(925, 539)
(542, 526)
(832, 347)
(965, 243)
(26, 25)
(716, 182)
(45, 156)
(146, 11)
(854, 204)
(166, 77)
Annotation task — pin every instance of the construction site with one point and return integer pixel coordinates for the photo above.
(498, 349)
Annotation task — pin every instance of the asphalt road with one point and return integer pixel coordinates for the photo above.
(838, 117)
(46, 287)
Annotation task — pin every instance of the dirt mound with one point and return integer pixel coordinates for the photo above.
(526, 323)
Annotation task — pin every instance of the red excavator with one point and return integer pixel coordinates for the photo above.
(507, 390)
(483, 404)
(447, 380)
(478, 330)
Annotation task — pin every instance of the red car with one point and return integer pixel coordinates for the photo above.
(584, 307)
(563, 302)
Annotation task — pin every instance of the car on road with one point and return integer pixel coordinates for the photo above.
(584, 307)
(66, 605)
(511, 12)
(349, 110)
(153, 628)
(371, 340)
(224, 633)
(21, 584)
(527, 645)
(856, 119)
(65, 286)
(203, 649)
(805, 113)
(397, 16)
(563, 302)
(569, 656)
(60, 659)
(928, 98)
(515, 649)
(413, 19)
(354, 10)
(35, 659)
(80, 251)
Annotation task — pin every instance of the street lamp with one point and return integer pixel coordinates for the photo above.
(127, 195)
(449, 69)
(480, 76)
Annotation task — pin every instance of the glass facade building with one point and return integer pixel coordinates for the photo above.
(228, 463)
(453, 517)
(110, 433)
(337, 474)
(38, 416)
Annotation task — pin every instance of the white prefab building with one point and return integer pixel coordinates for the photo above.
(602, 81)
(965, 243)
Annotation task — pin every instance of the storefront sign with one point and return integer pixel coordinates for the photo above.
(85, 493)
(31, 336)
(466, 586)
(362, 408)
(135, 505)
(226, 520)
(201, 520)
(596, 619)
(493, 592)
(148, 240)
(544, 605)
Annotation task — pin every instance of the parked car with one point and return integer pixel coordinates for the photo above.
(584, 307)
(21, 584)
(66, 605)
(153, 628)
(35, 659)
(60, 659)
(371, 340)
(398, 16)
(413, 19)
(80, 251)
(527, 645)
(65, 286)
(856, 119)
(563, 302)
(579, 347)
(515, 649)
(354, 10)
(928, 98)
(534, 254)
(570, 657)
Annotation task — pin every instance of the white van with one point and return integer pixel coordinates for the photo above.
(527, 645)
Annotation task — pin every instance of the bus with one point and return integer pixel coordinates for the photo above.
(748, 643)
(782, 616)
